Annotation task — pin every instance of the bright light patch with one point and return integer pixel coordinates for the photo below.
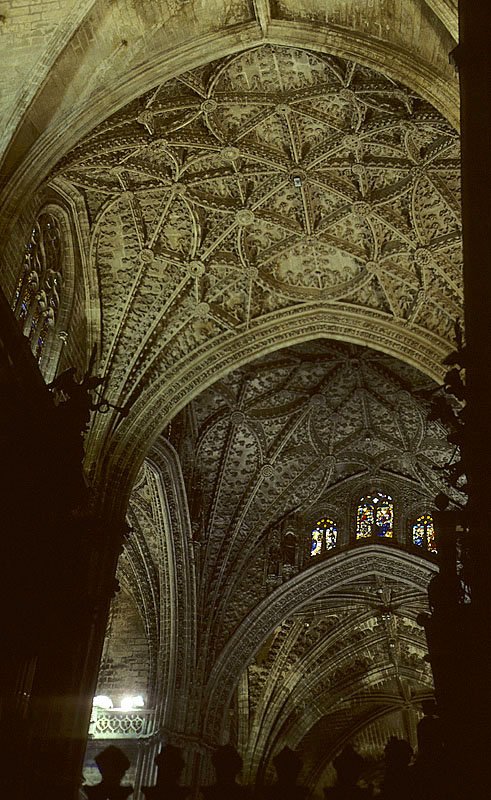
(130, 703)
(102, 701)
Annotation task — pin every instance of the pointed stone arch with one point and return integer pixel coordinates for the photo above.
(169, 393)
(334, 573)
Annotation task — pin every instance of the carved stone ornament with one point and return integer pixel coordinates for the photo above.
(340, 169)
(276, 445)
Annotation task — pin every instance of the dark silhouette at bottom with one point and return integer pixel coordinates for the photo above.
(397, 783)
(227, 763)
(112, 764)
(426, 779)
(348, 766)
(170, 765)
(288, 765)
(428, 775)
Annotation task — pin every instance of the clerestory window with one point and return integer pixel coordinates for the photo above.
(424, 533)
(375, 516)
(37, 297)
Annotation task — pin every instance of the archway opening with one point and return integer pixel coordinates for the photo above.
(223, 513)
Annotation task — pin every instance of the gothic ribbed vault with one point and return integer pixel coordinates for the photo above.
(260, 203)
(263, 199)
(244, 639)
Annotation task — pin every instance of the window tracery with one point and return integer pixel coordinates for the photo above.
(375, 516)
(424, 533)
(37, 297)
(324, 536)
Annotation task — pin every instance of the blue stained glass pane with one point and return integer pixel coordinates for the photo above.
(424, 533)
(324, 536)
(316, 543)
(375, 516)
(384, 519)
(418, 538)
(365, 520)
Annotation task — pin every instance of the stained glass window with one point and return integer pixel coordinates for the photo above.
(424, 533)
(324, 536)
(375, 516)
(37, 297)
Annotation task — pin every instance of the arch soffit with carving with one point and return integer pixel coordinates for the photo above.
(178, 584)
(169, 394)
(334, 572)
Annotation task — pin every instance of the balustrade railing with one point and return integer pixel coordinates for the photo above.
(118, 724)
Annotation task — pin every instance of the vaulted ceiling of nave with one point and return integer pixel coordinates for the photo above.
(327, 650)
(263, 199)
(73, 58)
(244, 196)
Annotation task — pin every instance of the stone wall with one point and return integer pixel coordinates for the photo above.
(124, 666)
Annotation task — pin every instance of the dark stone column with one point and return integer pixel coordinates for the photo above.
(473, 59)
(459, 631)
(57, 562)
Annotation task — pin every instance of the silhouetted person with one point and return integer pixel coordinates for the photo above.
(397, 782)
(227, 763)
(170, 765)
(112, 764)
(288, 765)
(428, 777)
(348, 766)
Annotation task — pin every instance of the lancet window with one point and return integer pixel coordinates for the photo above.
(424, 533)
(375, 516)
(37, 297)
(324, 536)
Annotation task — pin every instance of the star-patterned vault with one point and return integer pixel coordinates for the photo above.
(273, 182)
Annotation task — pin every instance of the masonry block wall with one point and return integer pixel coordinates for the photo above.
(124, 666)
